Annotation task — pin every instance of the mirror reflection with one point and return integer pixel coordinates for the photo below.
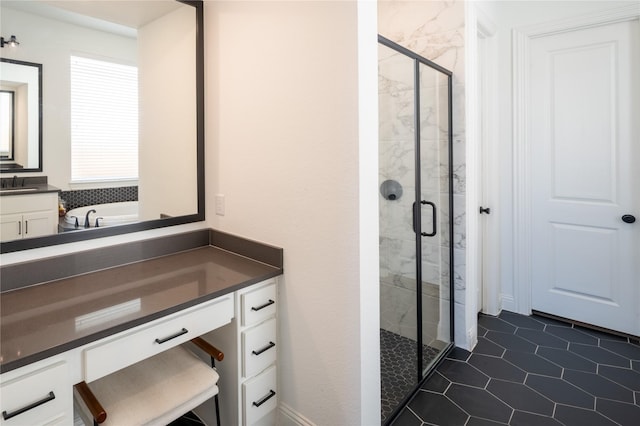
(119, 113)
(20, 112)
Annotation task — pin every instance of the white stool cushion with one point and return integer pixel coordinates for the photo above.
(155, 391)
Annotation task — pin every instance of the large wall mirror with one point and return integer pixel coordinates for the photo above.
(150, 147)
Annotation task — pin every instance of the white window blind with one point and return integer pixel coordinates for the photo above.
(104, 120)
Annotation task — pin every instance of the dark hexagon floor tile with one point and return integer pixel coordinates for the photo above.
(495, 324)
(475, 421)
(487, 347)
(598, 386)
(635, 365)
(521, 418)
(622, 376)
(567, 359)
(511, 341)
(436, 383)
(482, 331)
(461, 372)
(520, 397)
(407, 418)
(624, 414)
(479, 403)
(437, 409)
(560, 391)
(624, 349)
(521, 320)
(541, 338)
(459, 353)
(532, 363)
(497, 367)
(599, 355)
(637, 394)
(571, 334)
(573, 416)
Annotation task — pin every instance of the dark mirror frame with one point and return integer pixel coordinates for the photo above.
(39, 68)
(73, 236)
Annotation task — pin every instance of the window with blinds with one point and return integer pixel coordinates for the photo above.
(104, 120)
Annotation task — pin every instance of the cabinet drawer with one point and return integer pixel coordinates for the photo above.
(258, 348)
(37, 398)
(131, 346)
(259, 396)
(258, 305)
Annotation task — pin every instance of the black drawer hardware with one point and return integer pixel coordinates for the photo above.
(178, 334)
(486, 210)
(265, 399)
(257, 308)
(266, 348)
(44, 400)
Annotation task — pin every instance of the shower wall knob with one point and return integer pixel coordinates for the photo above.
(628, 218)
(391, 190)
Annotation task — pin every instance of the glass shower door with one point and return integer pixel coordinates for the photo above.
(398, 260)
(414, 97)
(435, 201)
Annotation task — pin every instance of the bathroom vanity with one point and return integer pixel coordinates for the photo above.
(28, 211)
(83, 316)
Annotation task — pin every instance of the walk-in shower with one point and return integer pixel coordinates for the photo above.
(416, 203)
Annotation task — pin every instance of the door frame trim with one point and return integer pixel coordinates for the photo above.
(522, 144)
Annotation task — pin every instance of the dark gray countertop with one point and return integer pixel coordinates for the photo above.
(28, 189)
(39, 321)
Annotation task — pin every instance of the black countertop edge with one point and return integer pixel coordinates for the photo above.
(67, 346)
(28, 189)
(41, 271)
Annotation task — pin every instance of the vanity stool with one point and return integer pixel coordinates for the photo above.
(154, 391)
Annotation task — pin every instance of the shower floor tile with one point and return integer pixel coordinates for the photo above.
(398, 369)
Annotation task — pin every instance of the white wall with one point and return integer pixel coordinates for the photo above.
(508, 15)
(167, 51)
(283, 147)
(50, 42)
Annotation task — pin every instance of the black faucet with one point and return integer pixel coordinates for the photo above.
(15, 181)
(86, 218)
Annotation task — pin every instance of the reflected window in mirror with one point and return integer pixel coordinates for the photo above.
(104, 120)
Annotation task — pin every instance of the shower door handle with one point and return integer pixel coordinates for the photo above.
(434, 216)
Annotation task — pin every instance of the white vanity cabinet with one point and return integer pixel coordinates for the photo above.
(248, 385)
(37, 394)
(28, 215)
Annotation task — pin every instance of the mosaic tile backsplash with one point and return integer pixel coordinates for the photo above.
(88, 197)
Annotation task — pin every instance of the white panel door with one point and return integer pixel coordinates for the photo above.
(586, 175)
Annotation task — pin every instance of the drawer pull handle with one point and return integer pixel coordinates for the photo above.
(266, 348)
(44, 400)
(265, 399)
(178, 334)
(257, 308)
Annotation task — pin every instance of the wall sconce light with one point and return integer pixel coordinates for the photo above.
(12, 42)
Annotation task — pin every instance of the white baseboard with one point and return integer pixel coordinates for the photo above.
(287, 416)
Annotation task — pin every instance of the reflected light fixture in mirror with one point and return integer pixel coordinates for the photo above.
(12, 42)
(172, 175)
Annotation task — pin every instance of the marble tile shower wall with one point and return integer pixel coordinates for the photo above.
(435, 30)
(88, 197)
